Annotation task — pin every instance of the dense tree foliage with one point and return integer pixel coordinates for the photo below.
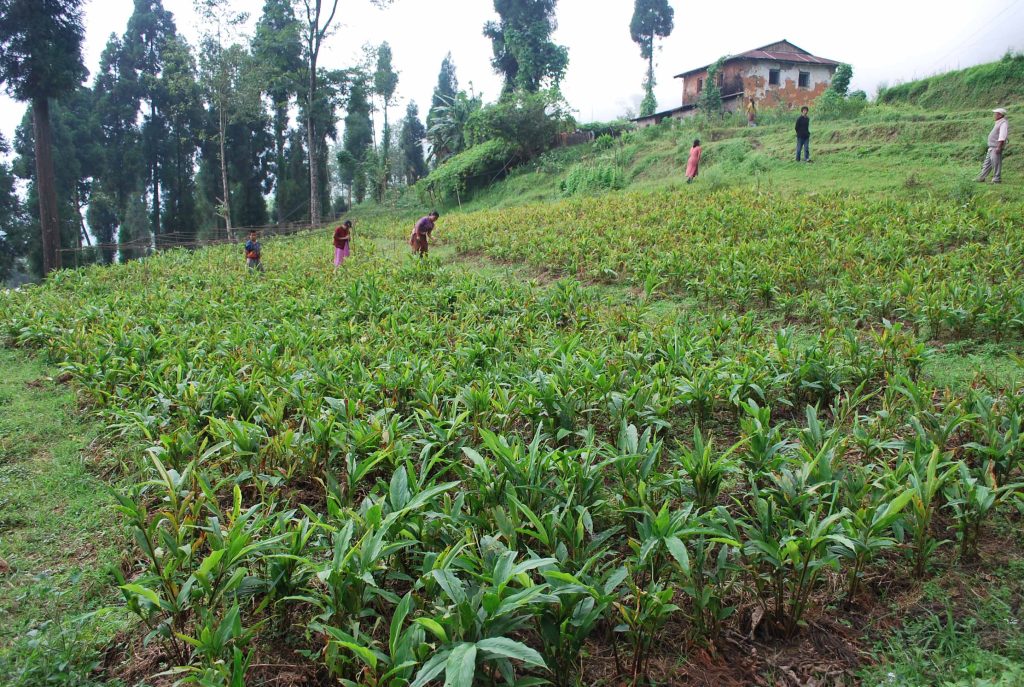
(358, 140)
(172, 142)
(40, 60)
(13, 226)
(841, 79)
(524, 54)
(278, 51)
(651, 19)
(413, 133)
(385, 82)
(446, 89)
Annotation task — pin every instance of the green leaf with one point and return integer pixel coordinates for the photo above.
(450, 584)
(678, 551)
(433, 627)
(147, 594)
(474, 457)
(431, 669)
(509, 648)
(401, 613)
(368, 657)
(209, 563)
(460, 667)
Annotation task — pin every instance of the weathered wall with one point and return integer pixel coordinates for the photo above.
(751, 78)
(755, 84)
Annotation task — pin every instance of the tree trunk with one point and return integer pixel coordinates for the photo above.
(386, 145)
(224, 176)
(46, 185)
(280, 124)
(314, 157)
(650, 70)
(155, 171)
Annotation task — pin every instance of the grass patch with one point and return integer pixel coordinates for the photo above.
(57, 533)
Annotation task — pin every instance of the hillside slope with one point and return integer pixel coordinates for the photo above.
(992, 84)
(922, 137)
(904, 150)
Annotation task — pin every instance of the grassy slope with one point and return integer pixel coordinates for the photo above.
(995, 83)
(886, 150)
(58, 532)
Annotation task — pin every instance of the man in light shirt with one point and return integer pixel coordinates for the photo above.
(996, 144)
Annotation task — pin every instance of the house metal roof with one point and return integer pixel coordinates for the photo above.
(800, 57)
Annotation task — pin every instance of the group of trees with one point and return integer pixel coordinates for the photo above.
(169, 141)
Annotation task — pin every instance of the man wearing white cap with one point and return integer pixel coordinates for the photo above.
(996, 143)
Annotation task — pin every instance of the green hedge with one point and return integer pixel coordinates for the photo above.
(472, 169)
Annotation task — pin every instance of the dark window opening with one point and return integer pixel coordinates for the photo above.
(700, 85)
(721, 79)
(805, 80)
(773, 77)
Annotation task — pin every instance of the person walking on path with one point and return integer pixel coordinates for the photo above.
(342, 237)
(803, 135)
(996, 145)
(253, 252)
(419, 240)
(693, 164)
(751, 113)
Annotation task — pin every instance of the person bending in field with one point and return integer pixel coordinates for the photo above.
(803, 135)
(419, 240)
(751, 113)
(342, 237)
(693, 163)
(253, 253)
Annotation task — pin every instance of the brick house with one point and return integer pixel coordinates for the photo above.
(775, 74)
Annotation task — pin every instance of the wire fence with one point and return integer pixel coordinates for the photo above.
(166, 241)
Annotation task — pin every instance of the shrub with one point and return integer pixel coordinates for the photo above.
(532, 120)
(594, 178)
(713, 179)
(757, 163)
(603, 142)
(475, 168)
(733, 152)
(963, 191)
(1001, 81)
(832, 105)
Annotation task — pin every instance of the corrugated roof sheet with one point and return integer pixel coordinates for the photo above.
(801, 57)
(783, 57)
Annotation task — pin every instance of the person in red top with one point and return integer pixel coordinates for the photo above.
(693, 163)
(420, 233)
(342, 237)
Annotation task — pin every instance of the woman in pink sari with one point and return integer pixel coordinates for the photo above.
(694, 162)
(342, 238)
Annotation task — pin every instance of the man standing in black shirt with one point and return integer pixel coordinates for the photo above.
(803, 135)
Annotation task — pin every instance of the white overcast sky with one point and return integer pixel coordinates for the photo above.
(886, 41)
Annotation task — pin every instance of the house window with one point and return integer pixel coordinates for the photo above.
(773, 77)
(721, 79)
(805, 80)
(700, 85)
